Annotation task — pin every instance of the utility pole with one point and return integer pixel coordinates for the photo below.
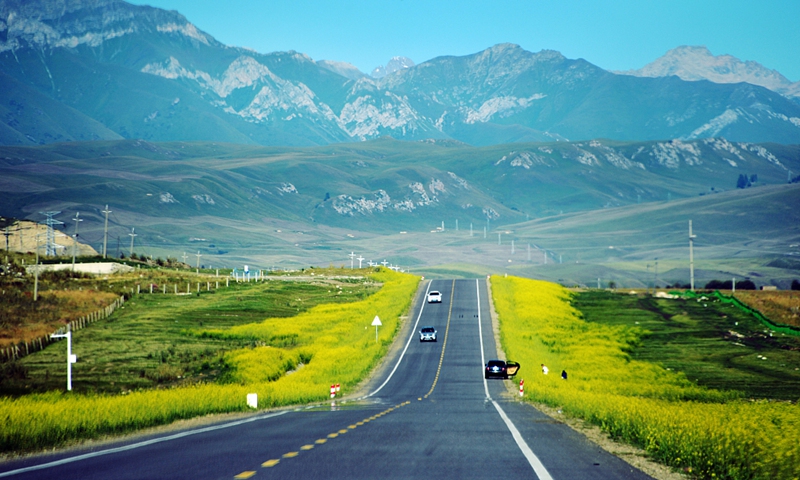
(77, 220)
(36, 277)
(352, 256)
(184, 257)
(7, 233)
(655, 276)
(105, 232)
(691, 256)
(360, 259)
(733, 286)
(198, 261)
(443, 225)
(384, 263)
(131, 235)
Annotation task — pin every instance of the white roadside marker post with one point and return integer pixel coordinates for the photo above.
(70, 357)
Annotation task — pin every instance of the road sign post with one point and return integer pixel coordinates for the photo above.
(376, 323)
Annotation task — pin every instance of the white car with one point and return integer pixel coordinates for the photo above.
(427, 334)
(434, 297)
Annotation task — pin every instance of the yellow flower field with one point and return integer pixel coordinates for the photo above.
(331, 345)
(708, 432)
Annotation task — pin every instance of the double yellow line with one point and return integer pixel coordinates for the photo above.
(444, 344)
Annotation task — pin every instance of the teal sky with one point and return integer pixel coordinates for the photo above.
(612, 34)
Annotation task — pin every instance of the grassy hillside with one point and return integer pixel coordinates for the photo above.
(290, 207)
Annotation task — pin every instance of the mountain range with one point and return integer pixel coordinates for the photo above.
(698, 63)
(74, 70)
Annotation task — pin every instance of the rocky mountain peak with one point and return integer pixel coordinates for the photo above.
(693, 63)
(395, 64)
(70, 23)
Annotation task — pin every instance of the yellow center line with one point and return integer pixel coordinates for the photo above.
(275, 461)
(444, 344)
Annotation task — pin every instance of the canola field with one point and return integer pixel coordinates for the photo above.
(708, 433)
(331, 343)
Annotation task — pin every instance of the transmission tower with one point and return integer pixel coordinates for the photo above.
(50, 237)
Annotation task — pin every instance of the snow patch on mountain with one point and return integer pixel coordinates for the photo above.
(763, 153)
(367, 116)
(502, 106)
(459, 181)
(204, 198)
(20, 30)
(187, 29)
(275, 94)
(614, 157)
(670, 154)
(167, 197)
(716, 124)
(722, 145)
(287, 188)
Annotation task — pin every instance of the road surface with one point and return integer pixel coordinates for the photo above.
(431, 414)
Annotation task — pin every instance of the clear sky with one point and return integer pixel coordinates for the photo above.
(612, 34)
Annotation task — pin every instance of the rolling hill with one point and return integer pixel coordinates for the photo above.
(310, 206)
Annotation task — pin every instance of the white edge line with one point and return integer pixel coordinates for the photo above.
(413, 333)
(538, 468)
(533, 460)
(133, 446)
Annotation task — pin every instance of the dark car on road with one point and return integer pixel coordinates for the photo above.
(500, 369)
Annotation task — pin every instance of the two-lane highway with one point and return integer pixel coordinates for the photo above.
(430, 416)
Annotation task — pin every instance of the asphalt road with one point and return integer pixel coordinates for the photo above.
(433, 416)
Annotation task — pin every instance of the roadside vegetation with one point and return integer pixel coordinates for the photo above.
(165, 357)
(642, 369)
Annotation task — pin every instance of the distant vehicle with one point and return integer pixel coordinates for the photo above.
(434, 297)
(427, 334)
(500, 369)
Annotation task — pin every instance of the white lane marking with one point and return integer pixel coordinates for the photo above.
(538, 468)
(533, 460)
(133, 446)
(413, 333)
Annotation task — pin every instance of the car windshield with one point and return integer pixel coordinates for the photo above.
(496, 363)
(427, 330)
(435, 293)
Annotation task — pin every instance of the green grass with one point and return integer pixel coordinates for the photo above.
(713, 344)
(150, 341)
